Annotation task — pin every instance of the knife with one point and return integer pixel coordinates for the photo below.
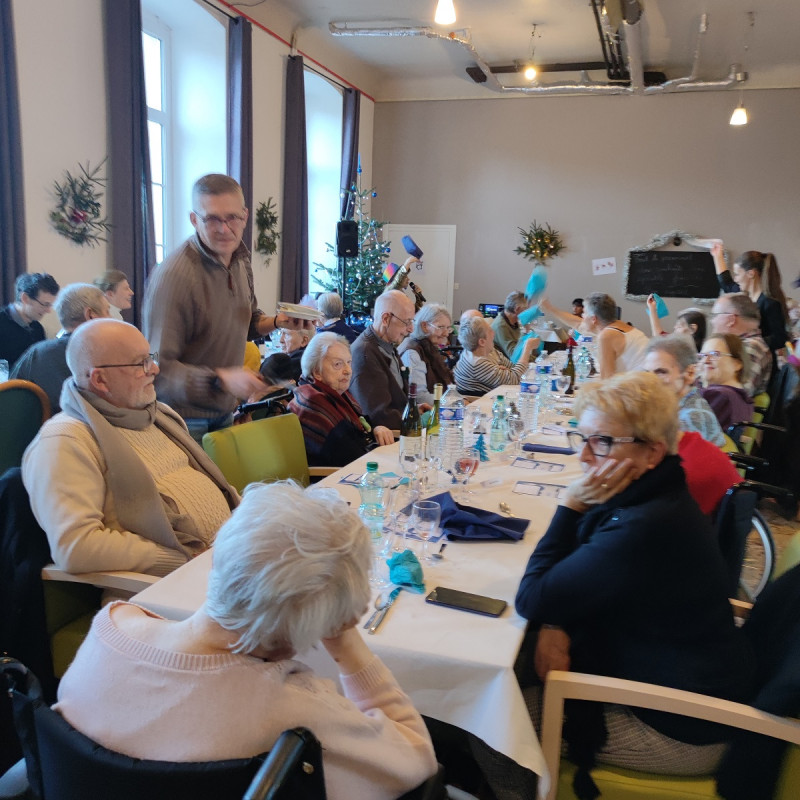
(382, 613)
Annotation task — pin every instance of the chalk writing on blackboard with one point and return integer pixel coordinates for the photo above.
(672, 273)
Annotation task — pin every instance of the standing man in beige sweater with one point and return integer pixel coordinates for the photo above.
(200, 309)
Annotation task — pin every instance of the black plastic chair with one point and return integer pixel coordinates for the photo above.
(63, 764)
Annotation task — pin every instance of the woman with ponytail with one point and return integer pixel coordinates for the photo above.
(758, 275)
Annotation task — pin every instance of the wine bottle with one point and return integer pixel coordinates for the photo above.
(411, 424)
(569, 370)
(433, 419)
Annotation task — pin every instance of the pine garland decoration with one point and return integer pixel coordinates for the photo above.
(539, 243)
(267, 226)
(78, 211)
(363, 274)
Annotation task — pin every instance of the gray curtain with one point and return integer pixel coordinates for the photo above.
(12, 219)
(350, 118)
(240, 112)
(132, 238)
(294, 252)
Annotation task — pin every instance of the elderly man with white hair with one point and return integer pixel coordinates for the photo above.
(45, 363)
(115, 480)
(380, 381)
(330, 305)
(290, 572)
(481, 366)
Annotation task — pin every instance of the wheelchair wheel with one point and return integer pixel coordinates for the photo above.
(759, 558)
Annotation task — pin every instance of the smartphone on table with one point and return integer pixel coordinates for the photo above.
(465, 601)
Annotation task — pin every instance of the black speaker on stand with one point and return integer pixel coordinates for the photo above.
(346, 238)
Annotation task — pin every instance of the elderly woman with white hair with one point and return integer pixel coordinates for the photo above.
(420, 352)
(481, 367)
(629, 581)
(290, 571)
(335, 429)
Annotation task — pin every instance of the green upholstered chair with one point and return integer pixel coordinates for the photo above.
(262, 451)
(23, 408)
(790, 556)
(616, 783)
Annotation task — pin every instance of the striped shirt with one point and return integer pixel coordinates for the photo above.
(480, 374)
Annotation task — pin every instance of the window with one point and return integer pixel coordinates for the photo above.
(324, 144)
(184, 47)
(154, 51)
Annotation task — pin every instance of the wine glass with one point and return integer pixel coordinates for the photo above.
(430, 464)
(379, 574)
(465, 465)
(425, 517)
(400, 499)
(562, 384)
(410, 455)
(515, 427)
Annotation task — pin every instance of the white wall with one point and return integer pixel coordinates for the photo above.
(608, 172)
(60, 66)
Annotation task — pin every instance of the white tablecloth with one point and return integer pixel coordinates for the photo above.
(456, 667)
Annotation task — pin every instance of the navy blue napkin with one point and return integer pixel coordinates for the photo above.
(548, 448)
(468, 524)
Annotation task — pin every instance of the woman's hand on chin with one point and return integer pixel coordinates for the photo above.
(599, 484)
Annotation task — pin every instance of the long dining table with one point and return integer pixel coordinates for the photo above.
(456, 666)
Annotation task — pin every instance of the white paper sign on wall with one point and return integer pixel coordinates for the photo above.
(604, 266)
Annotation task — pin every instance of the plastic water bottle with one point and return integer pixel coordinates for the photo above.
(372, 510)
(544, 380)
(529, 397)
(451, 426)
(497, 432)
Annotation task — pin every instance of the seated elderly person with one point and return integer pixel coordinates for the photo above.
(709, 471)
(380, 381)
(45, 363)
(334, 429)
(629, 581)
(331, 307)
(724, 371)
(421, 352)
(480, 369)
(285, 366)
(290, 571)
(506, 326)
(115, 480)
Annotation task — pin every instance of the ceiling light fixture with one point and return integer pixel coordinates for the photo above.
(445, 13)
(530, 70)
(739, 116)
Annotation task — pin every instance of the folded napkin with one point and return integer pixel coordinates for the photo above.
(548, 448)
(465, 523)
(406, 571)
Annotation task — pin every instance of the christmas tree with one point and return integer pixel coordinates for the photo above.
(363, 274)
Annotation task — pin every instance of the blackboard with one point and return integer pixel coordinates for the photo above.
(672, 273)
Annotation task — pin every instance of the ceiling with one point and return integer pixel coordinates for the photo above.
(396, 67)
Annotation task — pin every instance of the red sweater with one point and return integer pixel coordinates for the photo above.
(709, 471)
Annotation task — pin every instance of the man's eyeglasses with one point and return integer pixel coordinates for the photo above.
(407, 322)
(45, 306)
(723, 314)
(231, 220)
(599, 445)
(146, 364)
(712, 355)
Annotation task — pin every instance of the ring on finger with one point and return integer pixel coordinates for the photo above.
(604, 486)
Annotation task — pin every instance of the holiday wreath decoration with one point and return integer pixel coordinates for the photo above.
(78, 214)
(539, 243)
(267, 226)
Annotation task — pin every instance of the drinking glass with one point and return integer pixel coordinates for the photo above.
(379, 574)
(425, 518)
(515, 427)
(400, 499)
(562, 384)
(465, 465)
(410, 455)
(430, 464)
